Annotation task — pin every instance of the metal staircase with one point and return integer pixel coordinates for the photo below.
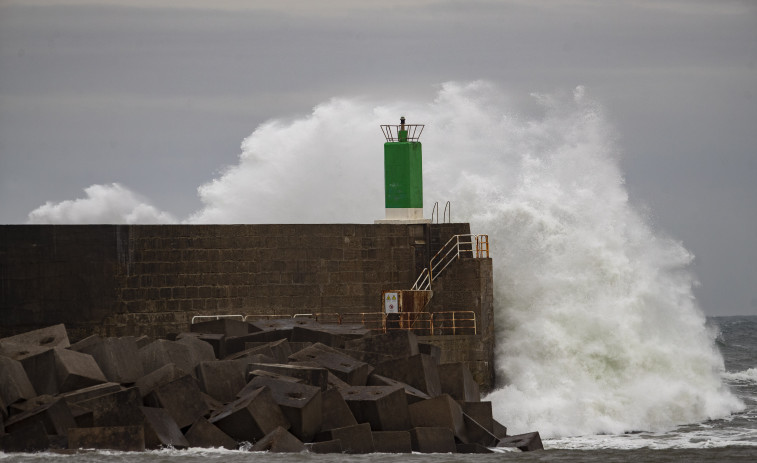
(458, 246)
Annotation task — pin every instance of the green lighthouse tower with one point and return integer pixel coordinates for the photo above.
(403, 173)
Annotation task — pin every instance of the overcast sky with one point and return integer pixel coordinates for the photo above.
(159, 98)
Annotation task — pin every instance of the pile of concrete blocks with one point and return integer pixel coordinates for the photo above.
(288, 385)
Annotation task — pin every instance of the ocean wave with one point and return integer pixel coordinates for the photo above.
(746, 376)
(704, 439)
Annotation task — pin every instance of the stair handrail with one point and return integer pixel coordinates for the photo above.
(447, 217)
(422, 281)
(451, 251)
(452, 254)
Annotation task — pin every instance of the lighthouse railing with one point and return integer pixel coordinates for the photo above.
(409, 132)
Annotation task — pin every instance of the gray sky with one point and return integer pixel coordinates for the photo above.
(158, 98)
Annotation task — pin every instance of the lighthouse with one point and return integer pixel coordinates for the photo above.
(403, 173)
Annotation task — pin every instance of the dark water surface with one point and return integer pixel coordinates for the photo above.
(727, 454)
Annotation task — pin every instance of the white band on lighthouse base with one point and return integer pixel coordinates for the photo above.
(404, 215)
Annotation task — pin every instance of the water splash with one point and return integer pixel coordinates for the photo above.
(111, 203)
(598, 328)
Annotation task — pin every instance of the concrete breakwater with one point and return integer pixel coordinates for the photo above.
(286, 385)
(134, 280)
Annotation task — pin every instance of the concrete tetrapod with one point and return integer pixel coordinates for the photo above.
(301, 404)
(250, 417)
(279, 441)
(205, 434)
(384, 407)
(297, 395)
(123, 438)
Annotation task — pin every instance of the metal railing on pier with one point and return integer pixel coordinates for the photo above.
(453, 322)
(202, 318)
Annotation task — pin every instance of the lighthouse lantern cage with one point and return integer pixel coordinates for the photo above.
(402, 132)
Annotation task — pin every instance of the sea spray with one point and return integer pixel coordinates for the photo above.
(598, 330)
(323, 168)
(107, 203)
(597, 327)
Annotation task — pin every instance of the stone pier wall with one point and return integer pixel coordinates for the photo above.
(140, 279)
(118, 280)
(60, 274)
(467, 286)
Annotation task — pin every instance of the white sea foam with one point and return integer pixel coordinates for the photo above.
(598, 330)
(705, 439)
(746, 376)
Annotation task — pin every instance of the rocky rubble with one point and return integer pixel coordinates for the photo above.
(288, 385)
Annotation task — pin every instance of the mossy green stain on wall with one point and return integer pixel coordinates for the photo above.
(403, 175)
